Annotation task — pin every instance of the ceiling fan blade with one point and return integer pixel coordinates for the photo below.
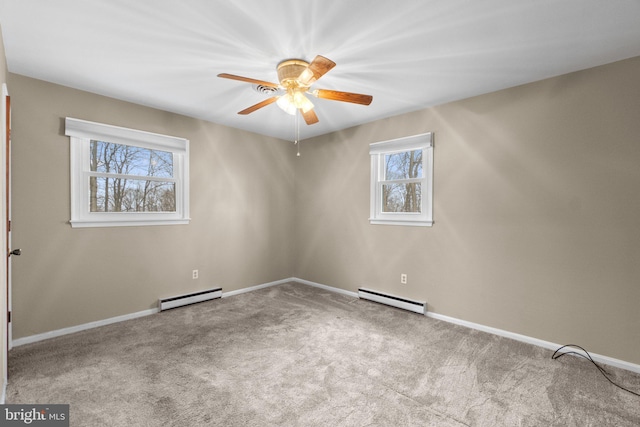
(310, 116)
(248, 80)
(258, 105)
(334, 95)
(316, 69)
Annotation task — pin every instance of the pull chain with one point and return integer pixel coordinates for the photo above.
(297, 130)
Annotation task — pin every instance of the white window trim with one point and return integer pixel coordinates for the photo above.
(378, 151)
(81, 132)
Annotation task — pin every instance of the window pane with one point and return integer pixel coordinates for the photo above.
(131, 195)
(407, 164)
(108, 157)
(401, 197)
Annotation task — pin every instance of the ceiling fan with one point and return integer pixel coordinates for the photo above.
(296, 77)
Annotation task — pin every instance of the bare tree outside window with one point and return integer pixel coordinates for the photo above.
(126, 178)
(401, 193)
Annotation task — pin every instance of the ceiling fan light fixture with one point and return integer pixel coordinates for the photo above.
(285, 102)
(294, 100)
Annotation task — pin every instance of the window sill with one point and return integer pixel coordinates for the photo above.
(410, 223)
(127, 223)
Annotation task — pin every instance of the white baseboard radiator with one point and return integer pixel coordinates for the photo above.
(394, 301)
(187, 299)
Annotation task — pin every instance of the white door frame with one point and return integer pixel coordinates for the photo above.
(5, 288)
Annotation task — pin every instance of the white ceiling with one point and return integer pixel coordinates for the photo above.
(408, 54)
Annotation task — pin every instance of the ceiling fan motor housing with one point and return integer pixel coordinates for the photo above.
(289, 70)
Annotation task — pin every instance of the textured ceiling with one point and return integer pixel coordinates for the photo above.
(407, 54)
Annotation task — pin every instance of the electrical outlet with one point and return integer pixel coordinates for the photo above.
(403, 279)
(194, 274)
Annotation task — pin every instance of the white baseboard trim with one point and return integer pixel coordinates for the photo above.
(70, 330)
(255, 288)
(325, 287)
(500, 332)
(535, 341)
(495, 331)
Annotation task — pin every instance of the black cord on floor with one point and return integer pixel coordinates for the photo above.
(588, 357)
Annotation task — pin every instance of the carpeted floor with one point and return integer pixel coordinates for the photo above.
(294, 355)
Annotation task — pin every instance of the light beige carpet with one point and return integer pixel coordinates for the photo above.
(293, 355)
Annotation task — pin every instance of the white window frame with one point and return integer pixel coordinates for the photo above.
(81, 132)
(378, 151)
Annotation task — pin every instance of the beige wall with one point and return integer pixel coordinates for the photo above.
(241, 208)
(536, 210)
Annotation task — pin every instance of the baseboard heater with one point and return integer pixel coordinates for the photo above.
(404, 303)
(180, 300)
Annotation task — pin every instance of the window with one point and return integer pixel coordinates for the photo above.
(402, 181)
(124, 177)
